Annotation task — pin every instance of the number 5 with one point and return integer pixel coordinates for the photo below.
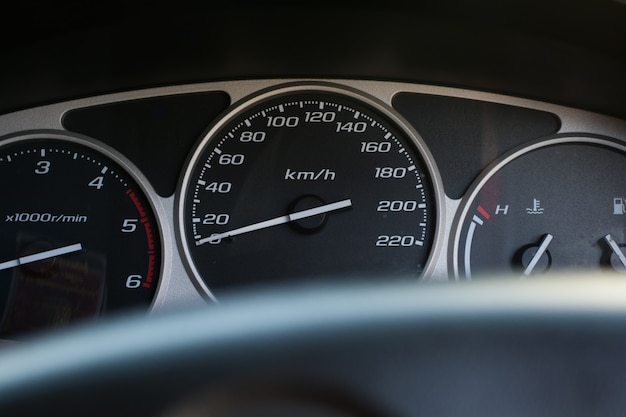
(129, 225)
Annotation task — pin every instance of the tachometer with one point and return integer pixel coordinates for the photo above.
(79, 235)
(308, 182)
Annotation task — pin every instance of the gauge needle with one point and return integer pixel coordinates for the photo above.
(616, 249)
(41, 256)
(540, 251)
(279, 220)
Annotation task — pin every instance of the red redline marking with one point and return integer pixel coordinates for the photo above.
(148, 228)
(149, 236)
(150, 268)
(482, 211)
(137, 203)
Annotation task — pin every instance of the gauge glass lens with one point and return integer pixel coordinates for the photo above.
(307, 185)
(79, 237)
(559, 205)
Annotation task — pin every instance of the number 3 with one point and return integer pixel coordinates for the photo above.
(43, 167)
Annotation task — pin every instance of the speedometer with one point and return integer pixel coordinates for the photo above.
(308, 183)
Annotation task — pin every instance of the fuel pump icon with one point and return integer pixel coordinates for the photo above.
(619, 205)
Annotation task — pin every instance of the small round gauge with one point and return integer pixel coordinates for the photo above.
(79, 235)
(307, 183)
(557, 205)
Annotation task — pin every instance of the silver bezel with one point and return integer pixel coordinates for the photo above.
(466, 202)
(132, 172)
(177, 287)
(312, 86)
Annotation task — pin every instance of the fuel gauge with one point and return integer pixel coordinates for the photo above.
(556, 205)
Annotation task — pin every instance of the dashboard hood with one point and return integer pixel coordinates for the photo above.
(569, 53)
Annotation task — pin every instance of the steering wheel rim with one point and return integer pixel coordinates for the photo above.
(494, 348)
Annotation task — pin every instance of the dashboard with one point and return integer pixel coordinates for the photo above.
(159, 196)
(155, 160)
(174, 195)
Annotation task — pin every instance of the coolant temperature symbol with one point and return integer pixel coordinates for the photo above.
(536, 208)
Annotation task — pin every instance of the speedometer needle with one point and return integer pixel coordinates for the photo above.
(299, 215)
(41, 256)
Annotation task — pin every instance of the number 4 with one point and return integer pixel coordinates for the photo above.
(97, 182)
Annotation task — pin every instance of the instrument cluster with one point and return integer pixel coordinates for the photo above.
(154, 198)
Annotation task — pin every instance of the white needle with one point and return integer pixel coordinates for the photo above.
(279, 220)
(616, 249)
(41, 256)
(540, 251)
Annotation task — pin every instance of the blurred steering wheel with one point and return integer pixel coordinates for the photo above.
(542, 348)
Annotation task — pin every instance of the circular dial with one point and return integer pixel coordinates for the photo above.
(559, 205)
(79, 236)
(308, 183)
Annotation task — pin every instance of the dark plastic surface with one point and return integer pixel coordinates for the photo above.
(570, 53)
(471, 131)
(156, 134)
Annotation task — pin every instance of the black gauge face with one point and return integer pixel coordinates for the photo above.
(304, 185)
(556, 206)
(79, 237)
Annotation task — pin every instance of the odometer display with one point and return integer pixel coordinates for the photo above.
(305, 184)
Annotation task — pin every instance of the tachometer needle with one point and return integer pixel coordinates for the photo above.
(540, 251)
(616, 249)
(41, 256)
(299, 215)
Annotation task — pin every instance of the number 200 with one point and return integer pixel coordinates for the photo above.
(397, 205)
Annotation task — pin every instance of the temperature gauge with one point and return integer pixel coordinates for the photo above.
(556, 205)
